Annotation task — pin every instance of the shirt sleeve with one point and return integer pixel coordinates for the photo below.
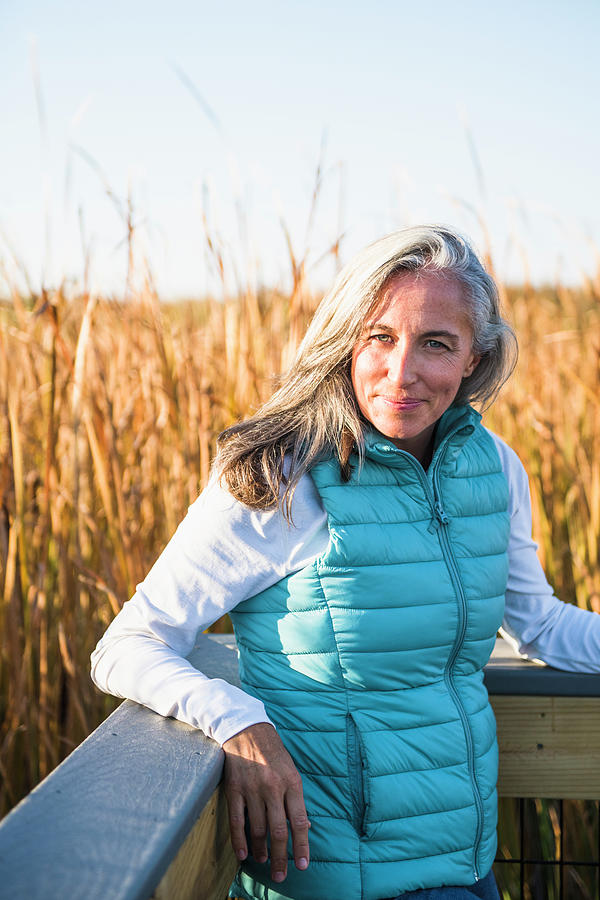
(536, 622)
(221, 554)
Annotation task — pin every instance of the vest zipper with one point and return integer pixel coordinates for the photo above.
(440, 524)
(448, 677)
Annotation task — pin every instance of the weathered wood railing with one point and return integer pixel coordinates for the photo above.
(136, 812)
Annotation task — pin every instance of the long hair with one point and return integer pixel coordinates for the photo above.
(314, 413)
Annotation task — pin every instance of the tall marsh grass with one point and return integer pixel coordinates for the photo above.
(108, 418)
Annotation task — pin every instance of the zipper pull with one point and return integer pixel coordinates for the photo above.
(439, 517)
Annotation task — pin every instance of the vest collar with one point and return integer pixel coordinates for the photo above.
(458, 423)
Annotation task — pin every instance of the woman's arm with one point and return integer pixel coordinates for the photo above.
(132, 661)
(221, 554)
(536, 622)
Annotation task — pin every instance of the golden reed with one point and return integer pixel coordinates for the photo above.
(108, 418)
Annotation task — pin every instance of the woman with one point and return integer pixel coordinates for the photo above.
(363, 530)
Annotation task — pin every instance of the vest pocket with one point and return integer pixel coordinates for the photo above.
(356, 774)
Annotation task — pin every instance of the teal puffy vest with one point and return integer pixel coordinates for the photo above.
(369, 661)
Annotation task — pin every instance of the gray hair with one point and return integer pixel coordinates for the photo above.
(314, 412)
(359, 287)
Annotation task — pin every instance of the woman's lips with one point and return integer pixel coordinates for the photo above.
(405, 403)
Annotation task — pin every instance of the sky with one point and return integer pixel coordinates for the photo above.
(210, 122)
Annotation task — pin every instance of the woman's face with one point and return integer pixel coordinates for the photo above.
(411, 358)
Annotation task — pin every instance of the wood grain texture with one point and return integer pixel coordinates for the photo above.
(109, 820)
(549, 746)
(205, 865)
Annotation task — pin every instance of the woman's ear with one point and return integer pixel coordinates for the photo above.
(471, 365)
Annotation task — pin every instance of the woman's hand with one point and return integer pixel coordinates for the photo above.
(261, 776)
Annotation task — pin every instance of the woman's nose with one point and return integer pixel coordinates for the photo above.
(402, 366)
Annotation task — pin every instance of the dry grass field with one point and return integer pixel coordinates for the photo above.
(108, 418)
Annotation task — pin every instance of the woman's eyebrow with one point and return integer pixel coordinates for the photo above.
(449, 335)
(380, 326)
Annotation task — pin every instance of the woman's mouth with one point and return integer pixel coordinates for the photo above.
(403, 404)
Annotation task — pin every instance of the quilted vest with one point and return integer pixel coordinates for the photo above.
(369, 662)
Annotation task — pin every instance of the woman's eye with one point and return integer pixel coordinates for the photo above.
(383, 338)
(436, 345)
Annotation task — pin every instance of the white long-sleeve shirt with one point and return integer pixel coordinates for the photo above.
(223, 553)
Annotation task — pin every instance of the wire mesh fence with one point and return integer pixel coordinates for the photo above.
(548, 849)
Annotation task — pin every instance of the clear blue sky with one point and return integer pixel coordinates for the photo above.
(391, 89)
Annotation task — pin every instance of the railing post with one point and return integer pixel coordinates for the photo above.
(548, 726)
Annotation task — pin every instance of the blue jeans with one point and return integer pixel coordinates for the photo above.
(485, 889)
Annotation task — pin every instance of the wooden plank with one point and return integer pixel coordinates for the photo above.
(216, 656)
(549, 746)
(109, 820)
(509, 673)
(205, 865)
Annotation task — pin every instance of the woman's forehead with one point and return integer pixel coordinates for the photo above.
(423, 289)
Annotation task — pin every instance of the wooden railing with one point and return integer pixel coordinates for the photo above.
(136, 811)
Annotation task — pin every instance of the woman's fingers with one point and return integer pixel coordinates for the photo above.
(260, 777)
(236, 807)
(279, 839)
(296, 813)
(257, 817)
